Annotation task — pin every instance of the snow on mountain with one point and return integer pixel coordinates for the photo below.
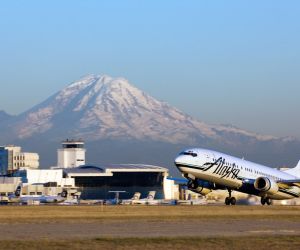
(101, 107)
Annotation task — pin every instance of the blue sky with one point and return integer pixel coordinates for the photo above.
(234, 62)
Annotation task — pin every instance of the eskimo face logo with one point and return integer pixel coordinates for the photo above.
(220, 168)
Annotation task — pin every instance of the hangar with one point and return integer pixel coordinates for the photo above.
(95, 182)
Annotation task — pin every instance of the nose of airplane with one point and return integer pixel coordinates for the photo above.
(178, 160)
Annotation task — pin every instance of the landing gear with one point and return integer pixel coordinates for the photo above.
(266, 200)
(230, 200)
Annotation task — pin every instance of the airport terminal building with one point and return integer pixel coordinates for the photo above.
(96, 182)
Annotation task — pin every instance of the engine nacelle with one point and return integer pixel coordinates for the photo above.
(201, 190)
(199, 187)
(266, 185)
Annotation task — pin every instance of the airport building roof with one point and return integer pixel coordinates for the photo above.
(107, 170)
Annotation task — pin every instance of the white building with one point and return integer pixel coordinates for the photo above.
(72, 154)
(34, 176)
(12, 159)
(45, 182)
(171, 190)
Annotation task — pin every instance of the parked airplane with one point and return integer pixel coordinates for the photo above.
(25, 199)
(199, 201)
(116, 200)
(149, 200)
(18, 197)
(69, 202)
(134, 198)
(207, 170)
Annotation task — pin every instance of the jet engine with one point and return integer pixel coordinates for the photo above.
(266, 185)
(199, 187)
(201, 190)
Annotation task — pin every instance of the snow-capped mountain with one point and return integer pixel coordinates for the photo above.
(112, 115)
(101, 107)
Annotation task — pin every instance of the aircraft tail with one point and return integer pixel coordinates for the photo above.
(294, 171)
(64, 194)
(151, 195)
(18, 190)
(136, 196)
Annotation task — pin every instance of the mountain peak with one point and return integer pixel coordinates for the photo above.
(95, 83)
(115, 116)
(102, 107)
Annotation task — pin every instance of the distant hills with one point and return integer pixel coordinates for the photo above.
(121, 123)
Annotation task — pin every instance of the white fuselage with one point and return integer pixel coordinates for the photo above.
(230, 171)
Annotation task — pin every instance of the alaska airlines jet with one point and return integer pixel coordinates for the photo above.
(207, 170)
(18, 197)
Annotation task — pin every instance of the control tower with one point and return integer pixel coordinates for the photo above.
(72, 154)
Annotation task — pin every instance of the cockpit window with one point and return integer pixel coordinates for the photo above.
(189, 153)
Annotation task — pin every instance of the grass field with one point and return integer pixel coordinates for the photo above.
(38, 214)
(15, 219)
(230, 243)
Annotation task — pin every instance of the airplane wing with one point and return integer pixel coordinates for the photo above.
(293, 182)
(202, 183)
(281, 183)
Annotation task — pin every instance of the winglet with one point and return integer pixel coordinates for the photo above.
(298, 165)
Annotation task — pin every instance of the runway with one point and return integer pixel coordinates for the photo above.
(147, 228)
(56, 222)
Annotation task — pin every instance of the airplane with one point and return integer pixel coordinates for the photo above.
(199, 201)
(25, 199)
(114, 201)
(206, 170)
(134, 198)
(149, 200)
(70, 202)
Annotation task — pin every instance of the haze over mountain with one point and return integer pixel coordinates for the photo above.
(4, 116)
(121, 123)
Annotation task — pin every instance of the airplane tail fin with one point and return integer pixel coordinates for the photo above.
(294, 171)
(17, 193)
(151, 195)
(136, 196)
(18, 190)
(64, 194)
